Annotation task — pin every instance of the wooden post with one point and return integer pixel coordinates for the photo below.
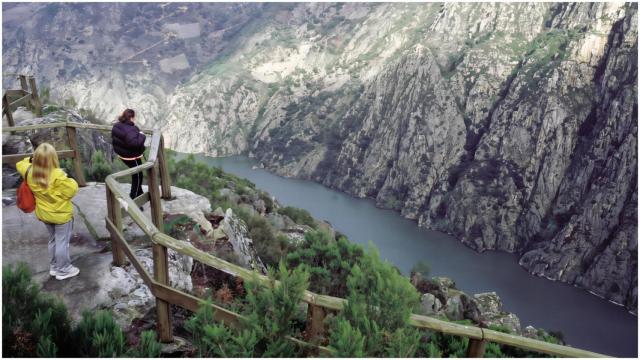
(315, 322)
(476, 348)
(25, 87)
(163, 310)
(6, 109)
(160, 258)
(165, 180)
(77, 161)
(34, 96)
(154, 197)
(114, 214)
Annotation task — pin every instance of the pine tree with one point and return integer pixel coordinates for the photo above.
(346, 341)
(98, 335)
(380, 303)
(149, 347)
(329, 262)
(30, 317)
(270, 316)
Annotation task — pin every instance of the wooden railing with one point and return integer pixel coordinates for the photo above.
(21, 97)
(119, 204)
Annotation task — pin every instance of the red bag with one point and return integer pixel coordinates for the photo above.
(26, 201)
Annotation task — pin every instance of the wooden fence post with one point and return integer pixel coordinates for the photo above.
(160, 258)
(77, 161)
(165, 180)
(315, 322)
(25, 87)
(163, 310)
(154, 197)
(6, 109)
(34, 96)
(115, 215)
(476, 348)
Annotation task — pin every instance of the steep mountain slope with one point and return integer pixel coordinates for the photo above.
(107, 56)
(511, 126)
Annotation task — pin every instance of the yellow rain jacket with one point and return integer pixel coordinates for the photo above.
(53, 204)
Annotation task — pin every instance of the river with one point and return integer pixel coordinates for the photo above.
(586, 321)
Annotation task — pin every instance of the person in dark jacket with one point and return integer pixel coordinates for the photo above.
(128, 144)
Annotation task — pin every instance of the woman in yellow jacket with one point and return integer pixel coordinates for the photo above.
(53, 191)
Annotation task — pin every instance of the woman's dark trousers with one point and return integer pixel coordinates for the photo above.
(136, 179)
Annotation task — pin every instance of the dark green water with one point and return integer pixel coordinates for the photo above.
(586, 321)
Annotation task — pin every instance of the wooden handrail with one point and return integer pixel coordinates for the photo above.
(76, 125)
(20, 101)
(16, 93)
(27, 95)
(117, 199)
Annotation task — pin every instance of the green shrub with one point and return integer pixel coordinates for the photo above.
(380, 303)
(299, 216)
(195, 176)
(32, 322)
(46, 348)
(37, 324)
(269, 247)
(100, 167)
(449, 345)
(213, 339)
(328, 261)
(346, 341)
(268, 202)
(403, 343)
(430, 350)
(179, 220)
(98, 335)
(271, 314)
(204, 179)
(149, 347)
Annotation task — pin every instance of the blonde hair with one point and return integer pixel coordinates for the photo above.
(45, 159)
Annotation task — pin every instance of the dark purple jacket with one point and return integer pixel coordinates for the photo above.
(127, 139)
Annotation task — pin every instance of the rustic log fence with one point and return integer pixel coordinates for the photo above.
(27, 96)
(119, 204)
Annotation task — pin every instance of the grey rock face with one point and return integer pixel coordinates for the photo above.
(488, 302)
(127, 294)
(443, 299)
(529, 149)
(429, 304)
(238, 236)
(491, 312)
(134, 57)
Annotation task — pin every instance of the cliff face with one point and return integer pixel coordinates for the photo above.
(105, 57)
(529, 150)
(511, 126)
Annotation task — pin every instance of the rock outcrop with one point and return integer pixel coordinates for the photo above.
(441, 298)
(238, 236)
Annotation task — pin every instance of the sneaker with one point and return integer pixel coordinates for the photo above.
(52, 271)
(71, 273)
